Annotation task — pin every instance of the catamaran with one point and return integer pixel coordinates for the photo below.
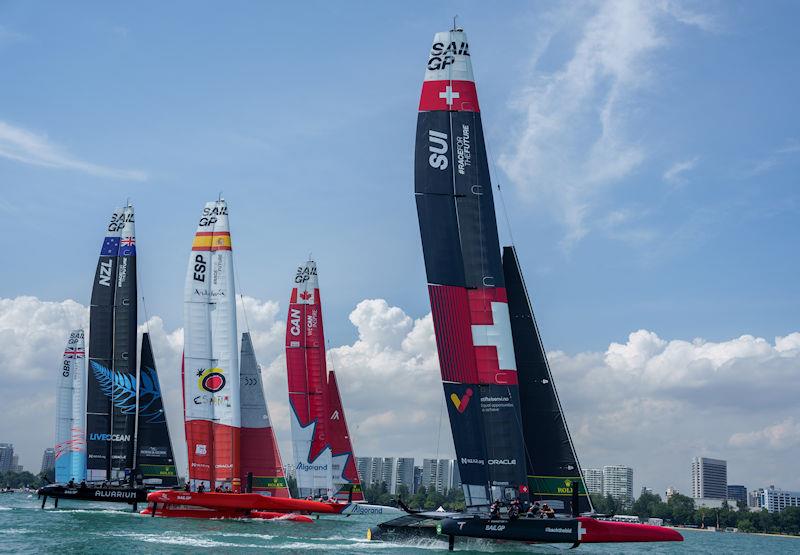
(106, 456)
(510, 435)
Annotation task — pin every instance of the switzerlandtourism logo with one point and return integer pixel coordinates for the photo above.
(211, 379)
(461, 402)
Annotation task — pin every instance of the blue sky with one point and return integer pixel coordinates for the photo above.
(648, 154)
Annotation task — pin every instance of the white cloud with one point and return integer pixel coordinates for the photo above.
(783, 435)
(649, 402)
(576, 137)
(25, 146)
(675, 174)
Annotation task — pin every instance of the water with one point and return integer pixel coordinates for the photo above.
(106, 528)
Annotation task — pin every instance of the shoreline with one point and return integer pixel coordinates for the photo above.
(765, 534)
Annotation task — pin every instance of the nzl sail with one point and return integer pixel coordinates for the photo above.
(70, 433)
(323, 455)
(259, 449)
(154, 459)
(465, 277)
(111, 385)
(211, 358)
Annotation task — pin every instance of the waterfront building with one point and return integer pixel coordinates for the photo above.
(436, 473)
(15, 466)
(6, 457)
(289, 471)
(670, 492)
(775, 499)
(618, 483)
(387, 473)
(363, 465)
(593, 479)
(456, 477)
(48, 460)
(754, 499)
(737, 494)
(417, 478)
(709, 478)
(404, 474)
(645, 489)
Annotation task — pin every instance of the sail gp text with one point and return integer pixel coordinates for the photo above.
(442, 57)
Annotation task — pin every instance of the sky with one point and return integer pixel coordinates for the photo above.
(648, 155)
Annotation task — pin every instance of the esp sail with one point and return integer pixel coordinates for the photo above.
(465, 277)
(154, 456)
(552, 467)
(211, 358)
(111, 383)
(259, 452)
(324, 460)
(70, 449)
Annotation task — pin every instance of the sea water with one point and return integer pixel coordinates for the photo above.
(77, 527)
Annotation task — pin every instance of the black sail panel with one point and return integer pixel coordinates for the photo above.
(553, 466)
(101, 354)
(154, 456)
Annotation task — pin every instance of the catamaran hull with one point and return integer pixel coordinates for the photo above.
(550, 531)
(199, 512)
(89, 493)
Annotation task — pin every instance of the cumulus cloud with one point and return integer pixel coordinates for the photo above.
(649, 402)
(28, 147)
(576, 136)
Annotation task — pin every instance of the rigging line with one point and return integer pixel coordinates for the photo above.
(493, 163)
(439, 429)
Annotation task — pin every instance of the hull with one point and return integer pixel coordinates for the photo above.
(241, 501)
(90, 493)
(527, 530)
(197, 512)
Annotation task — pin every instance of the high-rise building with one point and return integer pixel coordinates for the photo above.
(436, 473)
(754, 499)
(618, 483)
(456, 478)
(15, 466)
(48, 460)
(593, 479)
(709, 478)
(417, 478)
(404, 474)
(6, 457)
(670, 492)
(289, 471)
(775, 499)
(363, 466)
(737, 494)
(387, 473)
(645, 489)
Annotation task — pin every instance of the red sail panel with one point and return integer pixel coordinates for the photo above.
(345, 475)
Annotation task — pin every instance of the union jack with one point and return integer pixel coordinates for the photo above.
(128, 242)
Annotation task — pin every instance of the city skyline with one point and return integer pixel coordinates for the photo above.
(650, 190)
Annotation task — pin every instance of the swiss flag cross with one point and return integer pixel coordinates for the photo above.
(454, 96)
(523, 488)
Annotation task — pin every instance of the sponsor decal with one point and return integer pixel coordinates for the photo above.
(311, 321)
(200, 449)
(294, 321)
(465, 460)
(566, 487)
(152, 451)
(209, 216)
(211, 379)
(438, 148)
(355, 509)
(335, 415)
(215, 400)
(122, 272)
(495, 527)
(443, 55)
(463, 153)
(109, 437)
(118, 221)
(248, 380)
(311, 467)
(304, 274)
(114, 494)
(558, 530)
(461, 402)
(105, 273)
(502, 462)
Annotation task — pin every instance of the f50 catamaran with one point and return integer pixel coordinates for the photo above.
(510, 435)
(114, 459)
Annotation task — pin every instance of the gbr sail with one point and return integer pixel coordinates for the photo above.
(111, 383)
(70, 449)
(259, 449)
(323, 455)
(211, 359)
(465, 277)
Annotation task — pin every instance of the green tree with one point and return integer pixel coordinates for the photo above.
(682, 508)
(645, 506)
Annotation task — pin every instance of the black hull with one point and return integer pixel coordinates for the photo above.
(105, 494)
(529, 530)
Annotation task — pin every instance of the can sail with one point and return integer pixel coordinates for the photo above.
(323, 454)
(70, 449)
(259, 449)
(553, 463)
(211, 358)
(154, 456)
(465, 277)
(111, 384)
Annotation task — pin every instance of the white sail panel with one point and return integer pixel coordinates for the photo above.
(70, 448)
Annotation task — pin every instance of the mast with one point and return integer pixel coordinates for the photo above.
(211, 358)
(552, 461)
(100, 380)
(307, 381)
(259, 449)
(465, 278)
(154, 456)
(70, 448)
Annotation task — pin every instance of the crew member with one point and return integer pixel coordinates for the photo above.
(547, 511)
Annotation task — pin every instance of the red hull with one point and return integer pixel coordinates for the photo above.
(243, 502)
(605, 531)
(197, 512)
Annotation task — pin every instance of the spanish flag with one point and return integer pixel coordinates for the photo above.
(212, 241)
